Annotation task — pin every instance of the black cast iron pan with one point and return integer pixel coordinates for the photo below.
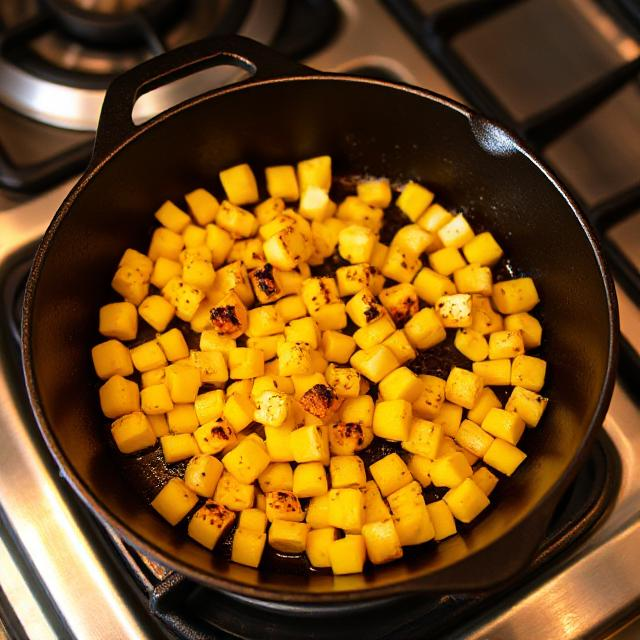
(284, 113)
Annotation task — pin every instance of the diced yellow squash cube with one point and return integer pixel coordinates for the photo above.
(484, 319)
(515, 296)
(378, 256)
(266, 283)
(315, 204)
(138, 261)
(430, 286)
(279, 443)
(505, 344)
(245, 363)
(450, 470)
(363, 308)
(209, 405)
(238, 222)
(529, 327)
(494, 372)
(198, 252)
(182, 382)
(345, 381)
(471, 344)
(111, 358)
(198, 273)
(278, 476)
(318, 543)
(504, 456)
(174, 501)
(375, 193)
(414, 200)
(172, 217)
(155, 399)
(347, 555)
(291, 307)
(408, 498)
(528, 372)
(487, 400)
(310, 480)
(130, 284)
(270, 209)
(392, 419)
(346, 509)
(173, 345)
(345, 438)
(246, 461)
(318, 292)
(147, 356)
(358, 410)
(528, 405)
(419, 467)
(449, 416)
(119, 396)
(267, 344)
(209, 523)
(253, 520)
(442, 519)
(229, 316)
(466, 501)
(211, 366)
(347, 471)
(315, 172)
(390, 473)
(178, 447)
(425, 329)
(264, 321)
(210, 340)
(317, 516)
(473, 278)
(463, 387)
(446, 261)
(400, 301)
(132, 432)
(485, 480)
(214, 436)
(247, 546)
(282, 182)
(307, 444)
(294, 358)
(202, 474)
(185, 298)
(165, 270)
(376, 509)
(425, 438)
(232, 494)
(239, 411)
(303, 330)
(182, 418)
(455, 310)
(337, 347)
(220, 242)
(119, 320)
(483, 249)
(428, 403)
(272, 408)
(434, 218)
(473, 438)
(283, 505)
(165, 244)
(504, 424)
(382, 541)
(203, 206)
(285, 249)
(412, 239)
(456, 233)
(352, 210)
(401, 384)
(356, 243)
(288, 537)
(399, 345)
(414, 527)
(239, 184)
(400, 265)
(331, 316)
(374, 333)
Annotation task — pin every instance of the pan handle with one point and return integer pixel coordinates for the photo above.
(116, 125)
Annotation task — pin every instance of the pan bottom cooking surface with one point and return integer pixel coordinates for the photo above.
(191, 610)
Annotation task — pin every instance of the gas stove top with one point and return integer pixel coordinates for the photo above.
(564, 75)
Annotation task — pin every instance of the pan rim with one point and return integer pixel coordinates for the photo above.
(273, 592)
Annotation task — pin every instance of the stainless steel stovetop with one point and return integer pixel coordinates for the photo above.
(59, 575)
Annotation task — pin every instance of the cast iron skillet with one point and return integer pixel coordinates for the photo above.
(287, 112)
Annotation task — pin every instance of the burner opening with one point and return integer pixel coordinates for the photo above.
(109, 23)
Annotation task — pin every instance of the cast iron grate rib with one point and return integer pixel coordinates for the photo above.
(434, 30)
(192, 611)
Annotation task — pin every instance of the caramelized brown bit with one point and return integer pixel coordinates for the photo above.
(319, 401)
(225, 319)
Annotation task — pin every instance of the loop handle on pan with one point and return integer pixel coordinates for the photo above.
(116, 125)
